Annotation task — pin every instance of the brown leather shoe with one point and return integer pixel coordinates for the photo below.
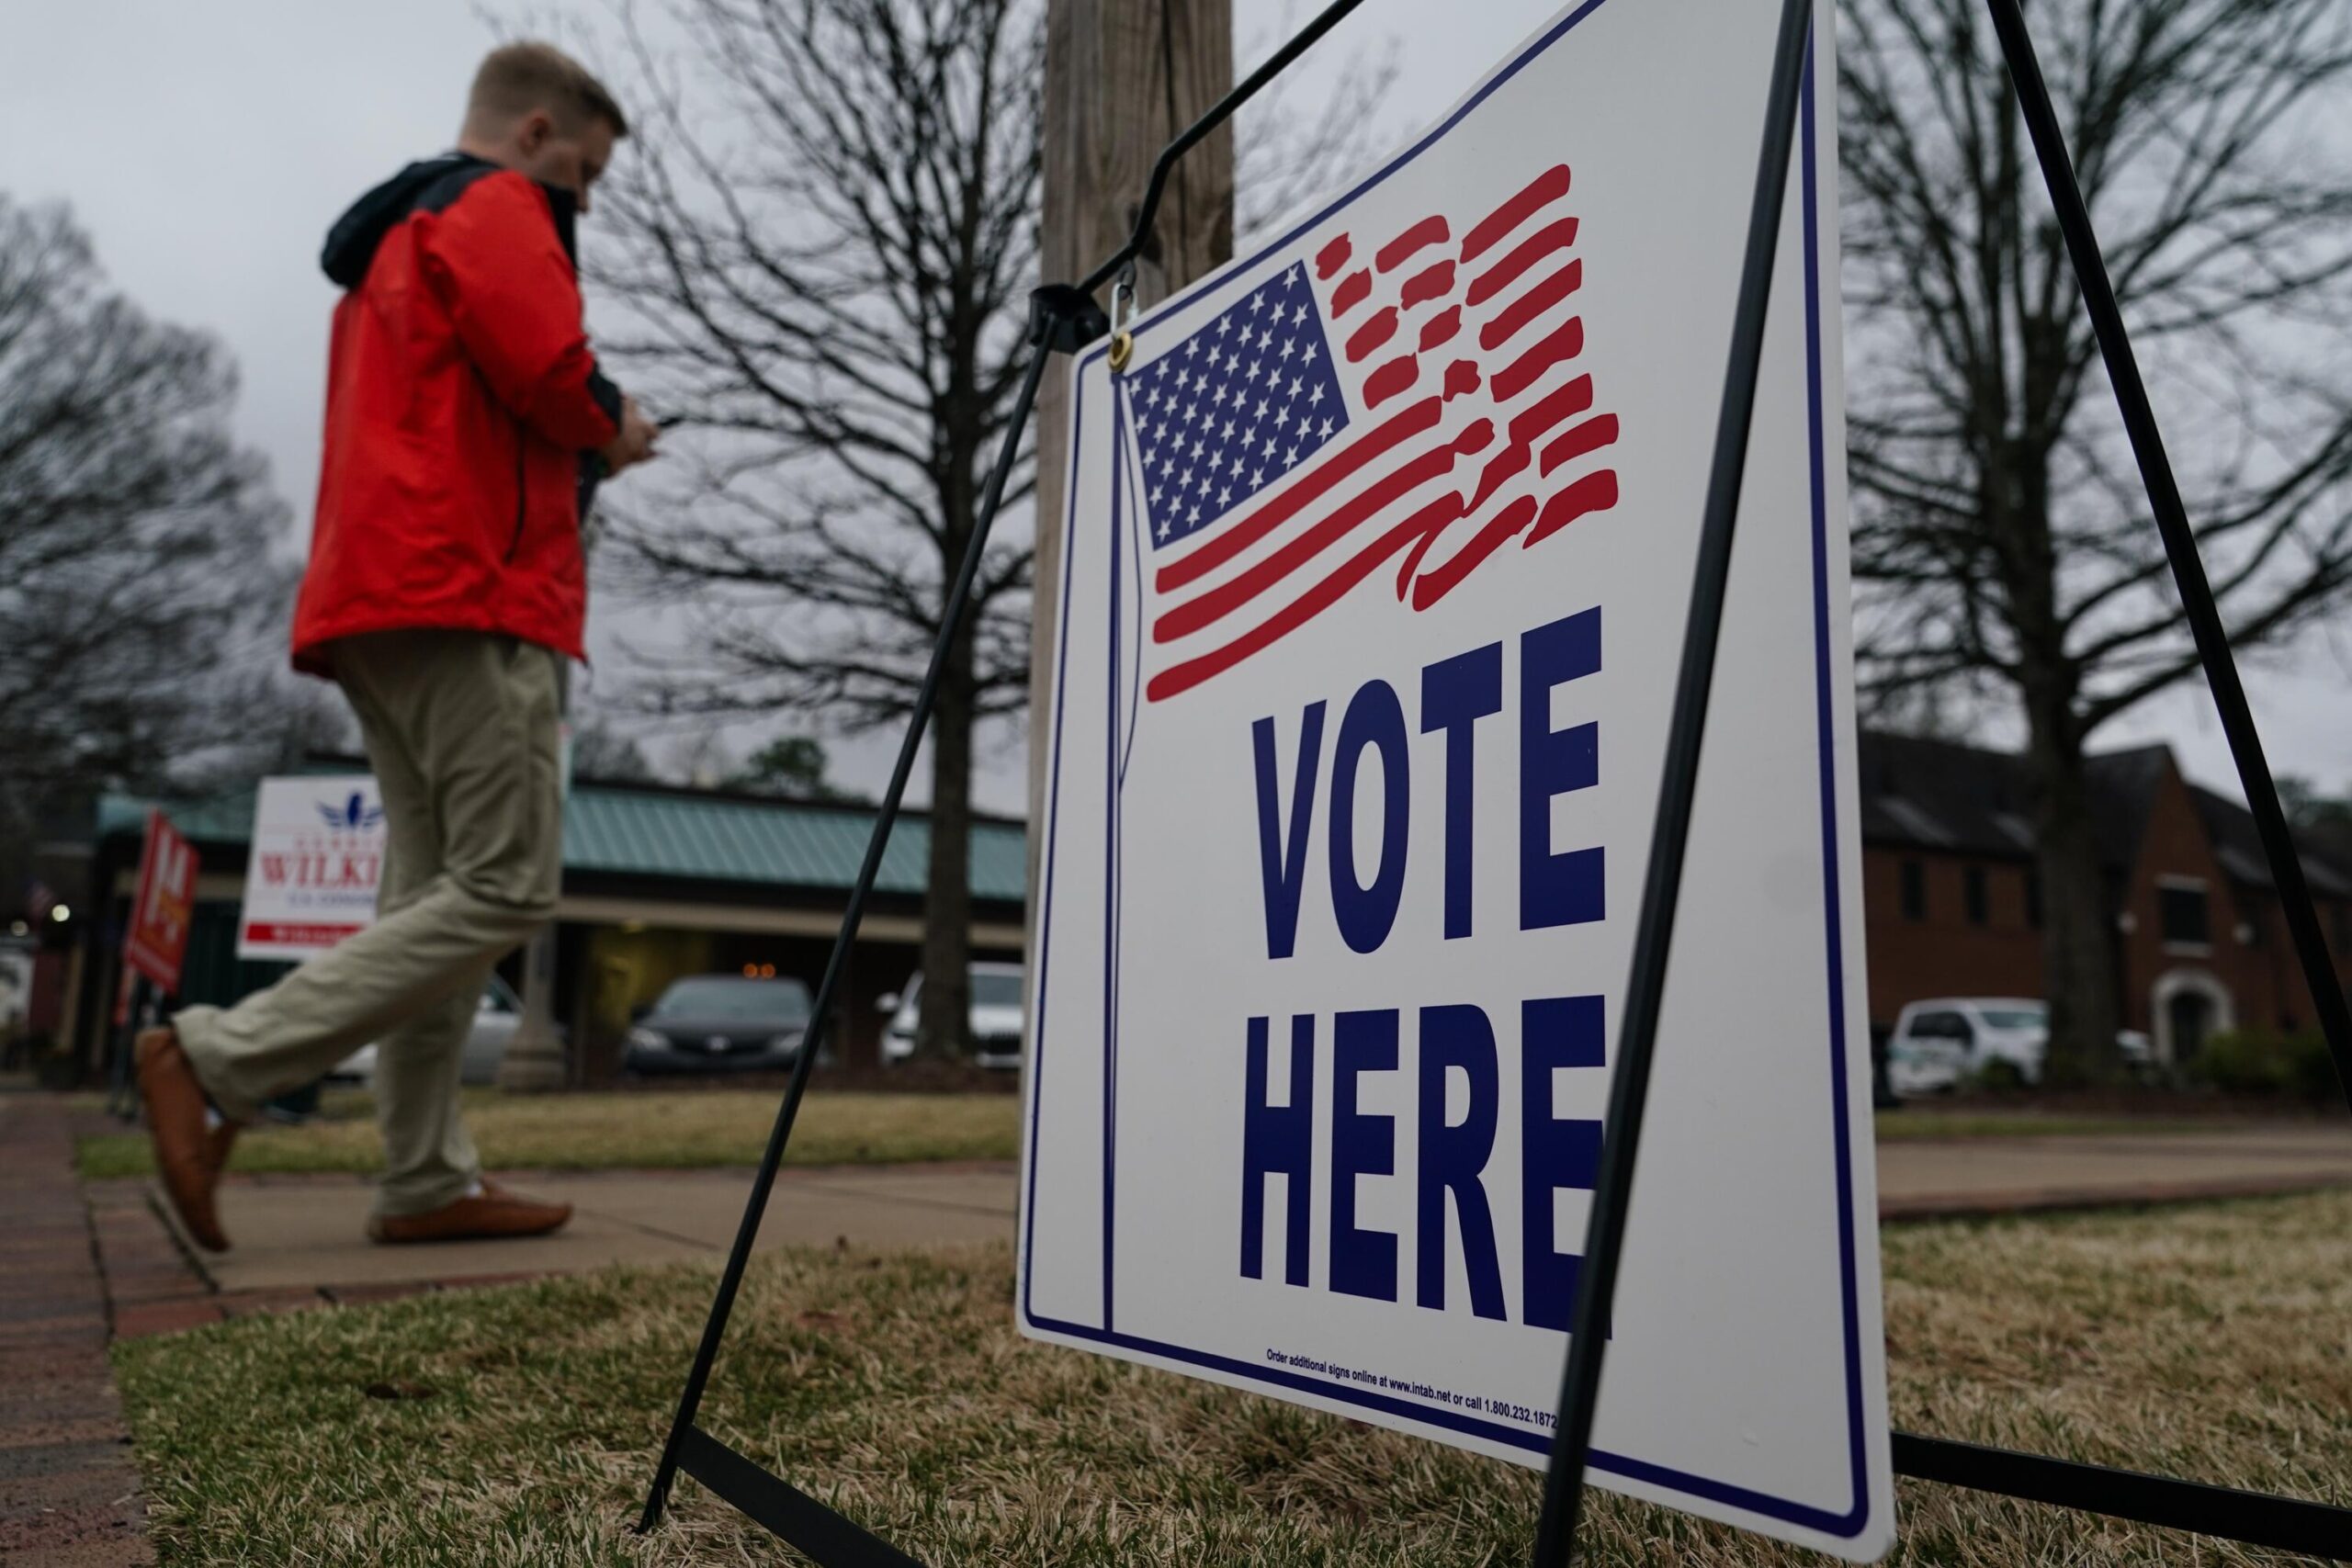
(185, 1150)
(491, 1214)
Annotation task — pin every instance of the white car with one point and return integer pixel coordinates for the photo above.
(485, 1046)
(998, 1007)
(1938, 1044)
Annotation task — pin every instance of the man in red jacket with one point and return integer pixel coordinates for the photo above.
(466, 422)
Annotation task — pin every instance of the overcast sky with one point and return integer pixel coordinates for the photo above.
(206, 147)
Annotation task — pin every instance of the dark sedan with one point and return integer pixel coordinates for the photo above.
(720, 1023)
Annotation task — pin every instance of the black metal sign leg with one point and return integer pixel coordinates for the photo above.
(1654, 933)
(1060, 320)
(1064, 318)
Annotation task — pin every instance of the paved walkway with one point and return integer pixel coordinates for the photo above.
(292, 1232)
(300, 1239)
(1918, 1179)
(68, 1494)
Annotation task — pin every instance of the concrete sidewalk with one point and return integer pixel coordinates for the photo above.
(298, 1235)
(1923, 1178)
(307, 1231)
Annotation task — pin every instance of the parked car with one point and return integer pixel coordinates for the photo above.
(494, 1022)
(1938, 1044)
(998, 1008)
(720, 1023)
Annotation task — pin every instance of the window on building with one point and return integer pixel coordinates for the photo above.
(2251, 915)
(2033, 897)
(1973, 892)
(1915, 891)
(2181, 915)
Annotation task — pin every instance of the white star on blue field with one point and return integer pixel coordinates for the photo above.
(1231, 409)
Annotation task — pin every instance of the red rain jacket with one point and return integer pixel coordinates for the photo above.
(463, 410)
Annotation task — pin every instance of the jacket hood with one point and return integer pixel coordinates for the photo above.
(351, 244)
(429, 183)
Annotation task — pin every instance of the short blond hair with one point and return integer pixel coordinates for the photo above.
(516, 78)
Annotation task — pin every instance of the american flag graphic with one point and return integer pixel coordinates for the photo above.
(1416, 401)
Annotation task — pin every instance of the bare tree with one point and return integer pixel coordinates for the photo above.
(133, 535)
(826, 243)
(2003, 547)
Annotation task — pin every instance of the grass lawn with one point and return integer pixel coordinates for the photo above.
(592, 1132)
(723, 1127)
(2207, 1341)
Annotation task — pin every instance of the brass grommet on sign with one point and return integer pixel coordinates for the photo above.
(1122, 310)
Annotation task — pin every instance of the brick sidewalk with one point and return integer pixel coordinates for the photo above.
(69, 1496)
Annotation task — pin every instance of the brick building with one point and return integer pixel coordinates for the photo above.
(1953, 904)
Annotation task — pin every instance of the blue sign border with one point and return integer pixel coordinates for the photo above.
(1842, 1525)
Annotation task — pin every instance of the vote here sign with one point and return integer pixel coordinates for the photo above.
(1379, 555)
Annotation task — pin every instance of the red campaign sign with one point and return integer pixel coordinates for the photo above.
(157, 943)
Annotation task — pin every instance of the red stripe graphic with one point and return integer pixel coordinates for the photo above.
(1237, 590)
(1594, 493)
(1441, 327)
(1351, 293)
(1552, 237)
(1506, 323)
(1392, 379)
(1183, 677)
(1545, 188)
(1373, 334)
(1332, 257)
(1428, 231)
(1565, 342)
(1222, 546)
(1564, 401)
(1590, 436)
(1436, 584)
(1433, 283)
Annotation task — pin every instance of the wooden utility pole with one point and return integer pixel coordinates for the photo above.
(1122, 77)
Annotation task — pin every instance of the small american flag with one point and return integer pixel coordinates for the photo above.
(1353, 410)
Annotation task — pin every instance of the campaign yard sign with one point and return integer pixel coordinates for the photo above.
(318, 854)
(163, 908)
(1379, 552)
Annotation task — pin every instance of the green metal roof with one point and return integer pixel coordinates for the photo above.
(708, 837)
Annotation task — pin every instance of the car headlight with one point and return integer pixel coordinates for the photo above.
(647, 1040)
(788, 1041)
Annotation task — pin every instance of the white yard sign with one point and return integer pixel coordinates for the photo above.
(1378, 557)
(318, 854)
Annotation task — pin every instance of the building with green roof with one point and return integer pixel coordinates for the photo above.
(659, 882)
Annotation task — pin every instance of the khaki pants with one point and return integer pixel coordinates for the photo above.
(461, 728)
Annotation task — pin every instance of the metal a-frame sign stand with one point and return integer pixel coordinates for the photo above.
(1064, 318)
